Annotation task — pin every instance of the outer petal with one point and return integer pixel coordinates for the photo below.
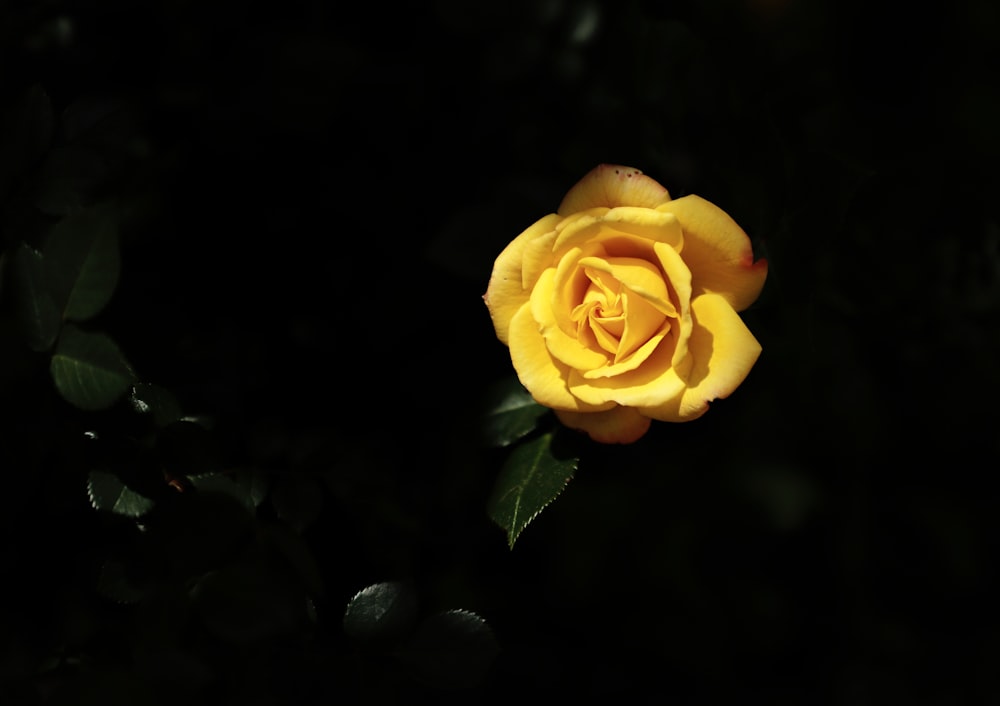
(620, 425)
(717, 251)
(612, 185)
(505, 293)
(722, 351)
(540, 373)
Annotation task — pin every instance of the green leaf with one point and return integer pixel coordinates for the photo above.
(246, 488)
(35, 308)
(156, 401)
(511, 413)
(88, 369)
(531, 478)
(83, 262)
(453, 649)
(380, 613)
(108, 493)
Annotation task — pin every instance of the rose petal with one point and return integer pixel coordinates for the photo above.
(717, 251)
(638, 275)
(506, 292)
(564, 347)
(572, 285)
(642, 320)
(540, 373)
(722, 351)
(613, 185)
(619, 425)
(653, 383)
(626, 224)
(679, 277)
(631, 361)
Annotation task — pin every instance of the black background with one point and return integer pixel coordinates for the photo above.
(321, 190)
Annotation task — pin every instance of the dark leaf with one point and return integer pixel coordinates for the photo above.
(88, 369)
(511, 413)
(115, 583)
(156, 401)
(298, 499)
(290, 546)
(531, 478)
(381, 613)
(249, 601)
(36, 309)
(453, 649)
(108, 493)
(199, 530)
(82, 262)
(186, 448)
(225, 484)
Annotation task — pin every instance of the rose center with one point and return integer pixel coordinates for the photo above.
(611, 317)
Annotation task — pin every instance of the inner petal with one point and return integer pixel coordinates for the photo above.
(601, 315)
(641, 321)
(641, 276)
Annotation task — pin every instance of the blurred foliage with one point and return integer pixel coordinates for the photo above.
(245, 366)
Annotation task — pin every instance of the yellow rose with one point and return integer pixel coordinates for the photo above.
(621, 307)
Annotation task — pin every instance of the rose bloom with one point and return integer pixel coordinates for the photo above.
(621, 307)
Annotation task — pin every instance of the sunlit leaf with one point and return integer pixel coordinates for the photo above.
(511, 413)
(380, 613)
(88, 369)
(531, 478)
(108, 493)
(35, 307)
(83, 262)
(453, 649)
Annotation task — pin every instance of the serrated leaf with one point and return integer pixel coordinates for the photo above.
(35, 308)
(156, 401)
(453, 649)
(246, 491)
(511, 413)
(531, 478)
(83, 262)
(109, 494)
(88, 369)
(380, 613)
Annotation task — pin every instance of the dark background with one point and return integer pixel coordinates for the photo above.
(315, 196)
